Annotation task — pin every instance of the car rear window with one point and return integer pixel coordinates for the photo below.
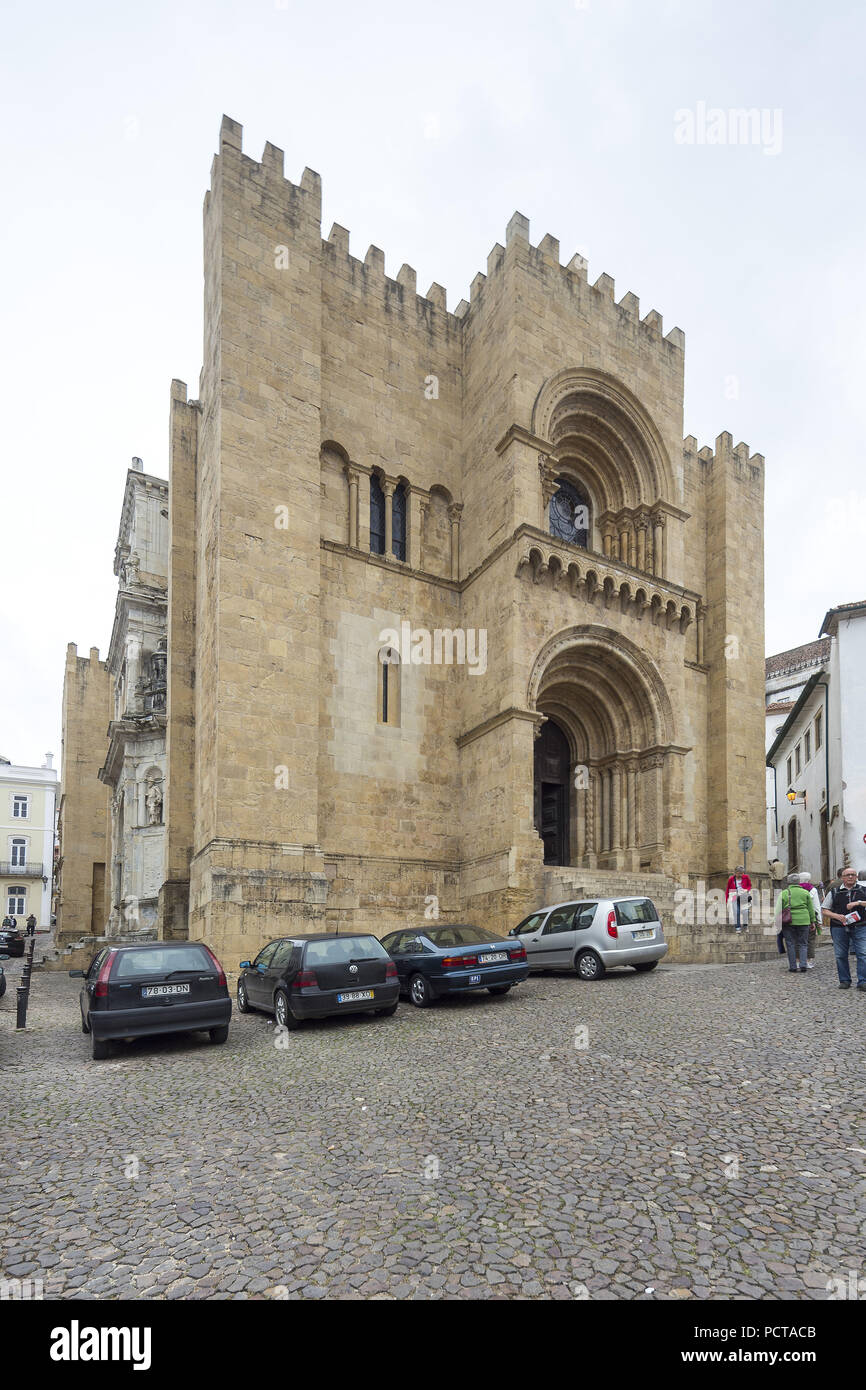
(635, 910)
(460, 936)
(150, 962)
(346, 948)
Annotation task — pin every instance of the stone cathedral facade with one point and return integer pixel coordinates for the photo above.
(457, 622)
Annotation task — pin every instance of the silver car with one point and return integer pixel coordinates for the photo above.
(594, 935)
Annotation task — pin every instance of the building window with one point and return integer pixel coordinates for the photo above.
(569, 514)
(20, 807)
(807, 744)
(389, 686)
(19, 853)
(818, 731)
(398, 522)
(377, 517)
(15, 902)
(790, 777)
(797, 760)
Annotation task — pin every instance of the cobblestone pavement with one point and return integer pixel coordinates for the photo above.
(698, 1132)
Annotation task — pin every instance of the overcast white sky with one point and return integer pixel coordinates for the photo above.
(430, 124)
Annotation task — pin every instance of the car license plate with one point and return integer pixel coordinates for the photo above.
(158, 991)
(354, 996)
(494, 957)
(642, 935)
(475, 979)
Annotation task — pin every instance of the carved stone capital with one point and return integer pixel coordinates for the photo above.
(455, 511)
(549, 471)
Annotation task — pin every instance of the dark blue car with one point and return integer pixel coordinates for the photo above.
(454, 959)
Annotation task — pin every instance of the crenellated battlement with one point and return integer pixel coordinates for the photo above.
(306, 196)
(726, 454)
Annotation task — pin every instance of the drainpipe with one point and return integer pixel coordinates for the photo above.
(827, 769)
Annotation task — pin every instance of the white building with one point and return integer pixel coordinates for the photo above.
(28, 800)
(819, 755)
(785, 674)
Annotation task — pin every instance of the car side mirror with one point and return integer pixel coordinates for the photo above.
(244, 965)
(76, 974)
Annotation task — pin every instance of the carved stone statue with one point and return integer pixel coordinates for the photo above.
(154, 805)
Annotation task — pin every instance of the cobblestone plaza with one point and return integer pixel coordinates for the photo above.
(694, 1133)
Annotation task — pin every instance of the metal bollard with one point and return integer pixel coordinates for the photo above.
(21, 1015)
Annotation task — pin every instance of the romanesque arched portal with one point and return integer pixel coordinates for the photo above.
(606, 700)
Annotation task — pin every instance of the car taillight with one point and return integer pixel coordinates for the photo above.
(221, 974)
(305, 979)
(518, 953)
(390, 971)
(101, 989)
(611, 924)
(458, 962)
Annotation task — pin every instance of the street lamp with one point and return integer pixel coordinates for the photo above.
(792, 797)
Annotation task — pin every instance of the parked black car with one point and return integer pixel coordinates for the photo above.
(155, 987)
(454, 959)
(2, 979)
(300, 977)
(12, 941)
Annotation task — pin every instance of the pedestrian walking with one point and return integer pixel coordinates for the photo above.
(845, 907)
(7, 920)
(815, 928)
(738, 896)
(31, 925)
(796, 911)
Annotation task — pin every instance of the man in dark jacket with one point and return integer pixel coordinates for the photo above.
(845, 907)
(31, 925)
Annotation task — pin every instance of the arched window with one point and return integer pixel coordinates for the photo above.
(377, 517)
(389, 686)
(398, 522)
(569, 514)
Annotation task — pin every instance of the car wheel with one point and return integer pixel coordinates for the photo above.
(498, 989)
(285, 1017)
(243, 1001)
(647, 965)
(386, 1013)
(219, 1035)
(420, 992)
(99, 1049)
(588, 965)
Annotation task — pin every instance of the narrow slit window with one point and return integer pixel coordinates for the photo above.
(389, 687)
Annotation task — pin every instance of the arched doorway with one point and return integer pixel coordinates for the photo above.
(602, 753)
(552, 777)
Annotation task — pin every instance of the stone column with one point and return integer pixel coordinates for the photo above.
(632, 546)
(659, 566)
(454, 514)
(616, 790)
(388, 489)
(416, 506)
(604, 841)
(591, 798)
(549, 487)
(608, 538)
(632, 806)
(700, 634)
(641, 543)
(352, 475)
(623, 542)
(363, 509)
(133, 671)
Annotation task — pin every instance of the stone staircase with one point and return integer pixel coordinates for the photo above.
(689, 942)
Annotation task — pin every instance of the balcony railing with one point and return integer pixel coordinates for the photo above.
(29, 870)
